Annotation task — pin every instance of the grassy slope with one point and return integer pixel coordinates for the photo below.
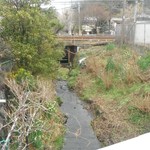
(116, 83)
(48, 128)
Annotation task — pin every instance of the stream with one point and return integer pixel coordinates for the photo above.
(79, 133)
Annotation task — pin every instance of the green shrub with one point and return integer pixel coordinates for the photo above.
(63, 73)
(144, 62)
(110, 65)
(22, 76)
(30, 33)
(74, 72)
(72, 82)
(73, 77)
(138, 117)
(99, 82)
(51, 109)
(59, 101)
(59, 142)
(110, 46)
(35, 138)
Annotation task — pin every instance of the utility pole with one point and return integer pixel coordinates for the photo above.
(135, 11)
(143, 7)
(123, 23)
(135, 17)
(79, 19)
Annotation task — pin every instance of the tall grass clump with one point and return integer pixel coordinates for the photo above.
(113, 70)
(144, 62)
(110, 46)
(116, 80)
(110, 66)
(72, 77)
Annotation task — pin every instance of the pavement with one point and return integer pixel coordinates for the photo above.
(141, 142)
(79, 133)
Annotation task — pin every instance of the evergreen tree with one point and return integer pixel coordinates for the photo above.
(30, 32)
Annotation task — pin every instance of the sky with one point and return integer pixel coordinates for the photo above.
(60, 5)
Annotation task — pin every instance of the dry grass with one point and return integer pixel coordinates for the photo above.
(107, 78)
(111, 126)
(131, 69)
(141, 100)
(144, 76)
(112, 123)
(96, 67)
(52, 128)
(46, 89)
(97, 63)
(36, 103)
(82, 83)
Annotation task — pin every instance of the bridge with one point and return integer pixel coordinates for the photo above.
(86, 39)
(72, 42)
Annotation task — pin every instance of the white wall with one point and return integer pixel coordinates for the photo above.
(142, 33)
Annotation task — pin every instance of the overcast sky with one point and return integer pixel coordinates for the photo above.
(60, 5)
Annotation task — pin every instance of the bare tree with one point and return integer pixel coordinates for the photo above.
(25, 111)
(67, 20)
(97, 16)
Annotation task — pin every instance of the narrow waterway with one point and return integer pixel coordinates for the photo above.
(79, 134)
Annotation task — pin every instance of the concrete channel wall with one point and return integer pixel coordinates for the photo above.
(5, 66)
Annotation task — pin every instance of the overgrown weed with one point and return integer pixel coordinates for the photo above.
(72, 77)
(144, 62)
(116, 79)
(45, 122)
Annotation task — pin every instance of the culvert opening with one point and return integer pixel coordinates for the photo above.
(70, 53)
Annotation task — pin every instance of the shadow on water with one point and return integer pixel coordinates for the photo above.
(79, 133)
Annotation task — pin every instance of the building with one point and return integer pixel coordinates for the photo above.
(134, 32)
(142, 30)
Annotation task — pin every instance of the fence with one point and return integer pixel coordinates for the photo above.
(134, 33)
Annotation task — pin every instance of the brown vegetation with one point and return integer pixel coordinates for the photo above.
(111, 125)
(33, 119)
(118, 92)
